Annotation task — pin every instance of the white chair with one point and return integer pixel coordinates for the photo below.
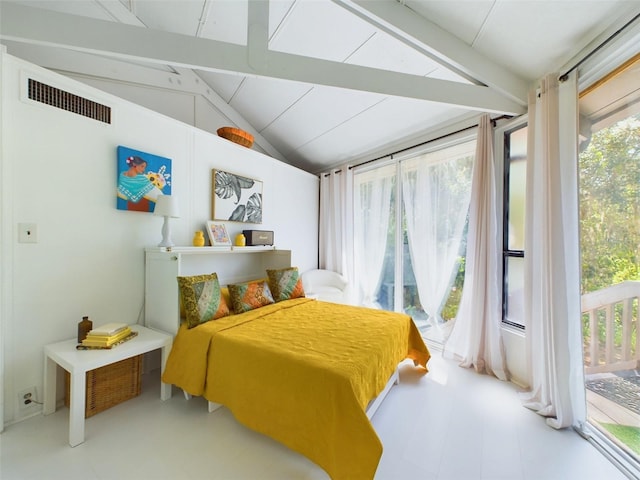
(325, 285)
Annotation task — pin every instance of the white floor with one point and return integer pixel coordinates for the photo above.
(451, 424)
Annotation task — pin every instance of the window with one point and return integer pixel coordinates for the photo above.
(515, 182)
(609, 196)
(410, 234)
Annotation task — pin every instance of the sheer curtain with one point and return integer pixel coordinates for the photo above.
(435, 192)
(335, 221)
(552, 269)
(372, 202)
(476, 339)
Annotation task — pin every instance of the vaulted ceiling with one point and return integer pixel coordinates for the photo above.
(323, 82)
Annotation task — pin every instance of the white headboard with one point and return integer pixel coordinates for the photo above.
(232, 264)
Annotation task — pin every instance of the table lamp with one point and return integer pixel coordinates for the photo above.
(166, 206)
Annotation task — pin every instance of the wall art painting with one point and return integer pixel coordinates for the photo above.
(236, 198)
(142, 177)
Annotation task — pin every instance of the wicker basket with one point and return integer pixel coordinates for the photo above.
(109, 385)
(236, 136)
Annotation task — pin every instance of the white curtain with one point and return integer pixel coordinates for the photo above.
(476, 338)
(335, 221)
(372, 206)
(435, 192)
(552, 270)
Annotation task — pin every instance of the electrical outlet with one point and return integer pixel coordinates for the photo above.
(27, 400)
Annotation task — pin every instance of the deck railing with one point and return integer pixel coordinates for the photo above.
(613, 314)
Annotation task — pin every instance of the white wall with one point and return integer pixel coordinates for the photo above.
(516, 352)
(59, 172)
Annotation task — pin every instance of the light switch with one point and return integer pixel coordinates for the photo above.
(27, 233)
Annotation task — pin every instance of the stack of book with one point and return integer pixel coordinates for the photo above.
(108, 335)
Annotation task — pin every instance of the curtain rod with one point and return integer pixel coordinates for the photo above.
(565, 75)
(493, 122)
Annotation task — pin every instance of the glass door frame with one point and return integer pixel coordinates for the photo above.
(596, 65)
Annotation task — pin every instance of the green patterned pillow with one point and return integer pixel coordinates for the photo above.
(249, 296)
(285, 283)
(202, 299)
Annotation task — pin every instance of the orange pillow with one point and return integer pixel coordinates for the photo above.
(249, 296)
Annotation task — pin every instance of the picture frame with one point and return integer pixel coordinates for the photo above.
(235, 198)
(218, 235)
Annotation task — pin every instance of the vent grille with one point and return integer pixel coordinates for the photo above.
(43, 93)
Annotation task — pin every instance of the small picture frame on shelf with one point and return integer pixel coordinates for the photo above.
(218, 235)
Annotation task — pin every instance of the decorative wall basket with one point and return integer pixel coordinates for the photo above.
(236, 136)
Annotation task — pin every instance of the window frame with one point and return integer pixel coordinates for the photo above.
(503, 163)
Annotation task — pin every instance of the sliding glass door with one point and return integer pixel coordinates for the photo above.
(610, 249)
(410, 235)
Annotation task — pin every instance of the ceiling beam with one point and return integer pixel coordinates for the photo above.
(258, 32)
(417, 32)
(45, 27)
(343, 75)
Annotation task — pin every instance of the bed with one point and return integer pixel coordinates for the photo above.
(304, 372)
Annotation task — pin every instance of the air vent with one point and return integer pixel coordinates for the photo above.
(43, 93)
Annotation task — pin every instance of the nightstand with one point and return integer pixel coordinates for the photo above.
(79, 362)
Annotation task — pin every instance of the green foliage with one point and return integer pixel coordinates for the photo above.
(610, 215)
(450, 309)
(610, 205)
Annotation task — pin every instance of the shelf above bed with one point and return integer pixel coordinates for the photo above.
(210, 250)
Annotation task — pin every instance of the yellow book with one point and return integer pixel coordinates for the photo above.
(91, 340)
(107, 338)
(131, 335)
(101, 341)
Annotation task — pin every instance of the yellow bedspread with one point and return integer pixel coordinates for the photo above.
(302, 372)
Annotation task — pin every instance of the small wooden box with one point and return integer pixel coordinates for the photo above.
(109, 385)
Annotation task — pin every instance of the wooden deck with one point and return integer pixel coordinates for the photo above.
(603, 410)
